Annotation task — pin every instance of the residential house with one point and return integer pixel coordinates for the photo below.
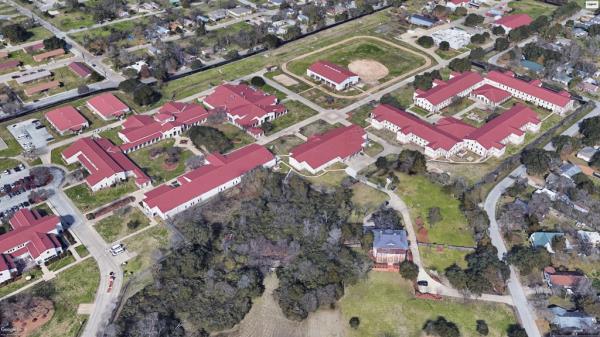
(572, 319)
(323, 150)
(563, 279)
(238, 12)
(217, 15)
(593, 238)
(510, 22)
(41, 87)
(587, 153)
(544, 239)
(421, 20)
(390, 246)
(49, 54)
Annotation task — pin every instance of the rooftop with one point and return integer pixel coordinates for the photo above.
(531, 88)
(31, 229)
(66, 118)
(331, 71)
(449, 89)
(514, 21)
(108, 105)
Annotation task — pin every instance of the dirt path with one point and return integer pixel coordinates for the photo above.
(265, 319)
(427, 64)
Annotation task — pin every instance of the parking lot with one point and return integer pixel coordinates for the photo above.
(31, 134)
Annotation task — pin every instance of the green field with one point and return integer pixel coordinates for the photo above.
(397, 61)
(296, 112)
(144, 245)
(116, 226)
(420, 194)
(531, 7)
(86, 200)
(8, 288)
(366, 200)
(155, 167)
(440, 260)
(68, 79)
(105, 31)
(386, 306)
(72, 287)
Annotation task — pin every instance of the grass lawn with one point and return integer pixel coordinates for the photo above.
(86, 200)
(72, 20)
(238, 136)
(112, 134)
(373, 149)
(283, 145)
(155, 167)
(366, 200)
(38, 33)
(68, 79)
(270, 90)
(360, 115)
(385, 305)
(123, 26)
(448, 54)
(72, 287)
(144, 245)
(420, 194)
(396, 60)
(7, 163)
(56, 158)
(531, 7)
(61, 262)
(8, 288)
(116, 226)
(297, 112)
(419, 111)
(316, 127)
(457, 107)
(332, 178)
(82, 251)
(440, 260)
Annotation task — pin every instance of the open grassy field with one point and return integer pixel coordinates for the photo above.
(62, 262)
(238, 136)
(397, 61)
(86, 200)
(67, 78)
(366, 200)
(386, 306)
(144, 245)
(420, 195)
(6, 163)
(283, 145)
(72, 287)
(8, 288)
(156, 168)
(531, 7)
(123, 26)
(296, 112)
(117, 225)
(442, 259)
(316, 127)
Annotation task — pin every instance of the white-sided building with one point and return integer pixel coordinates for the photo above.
(333, 75)
(444, 93)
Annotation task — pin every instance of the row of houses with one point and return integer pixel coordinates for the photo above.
(449, 135)
(506, 84)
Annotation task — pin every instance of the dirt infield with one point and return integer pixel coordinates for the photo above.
(369, 71)
(285, 80)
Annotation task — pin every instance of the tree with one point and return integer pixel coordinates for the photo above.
(271, 41)
(559, 244)
(425, 41)
(478, 39)
(386, 218)
(267, 127)
(382, 163)
(537, 161)
(528, 259)
(482, 327)
(498, 30)
(392, 100)
(444, 45)
(210, 138)
(515, 330)
(441, 327)
(196, 64)
(595, 160)
(145, 95)
(473, 20)
(501, 44)
(185, 3)
(231, 55)
(409, 270)
(257, 81)
(354, 322)
(476, 54)
(460, 65)
(460, 11)
(589, 128)
(15, 33)
(434, 215)
(54, 43)
(411, 162)
(564, 144)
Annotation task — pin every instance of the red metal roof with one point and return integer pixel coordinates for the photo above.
(492, 93)
(80, 69)
(509, 122)
(514, 21)
(102, 159)
(531, 88)
(34, 89)
(564, 278)
(66, 118)
(6, 262)
(331, 71)
(408, 123)
(220, 170)
(108, 105)
(445, 90)
(33, 230)
(247, 103)
(43, 56)
(10, 64)
(319, 149)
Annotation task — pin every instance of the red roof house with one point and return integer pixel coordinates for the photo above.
(245, 106)
(105, 163)
(65, 119)
(107, 106)
(9, 64)
(490, 95)
(510, 22)
(443, 93)
(49, 54)
(81, 69)
(32, 237)
(323, 150)
(41, 87)
(222, 172)
(171, 120)
(333, 75)
(533, 92)
(562, 278)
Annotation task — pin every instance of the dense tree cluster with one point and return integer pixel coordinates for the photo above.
(425, 41)
(213, 140)
(529, 259)
(211, 277)
(141, 93)
(534, 52)
(15, 33)
(538, 161)
(460, 64)
(54, 43)
(386, 218)
(589, 128)
(501, 44)
(441, 327)
(425, 80)
(473, 20)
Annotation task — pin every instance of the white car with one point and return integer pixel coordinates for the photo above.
(117, 249)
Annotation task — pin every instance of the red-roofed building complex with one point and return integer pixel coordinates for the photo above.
(333, 75)
(246, 107)
(81, 69)
(107, 106)
(454, 4)
(221, 173)
(490, 95)
(67, 119)
(450, 135)
(32, 238)
(105, 163)
(323, 150)
(171, 120)
(444, 93)
(559, 102)
(510, 22)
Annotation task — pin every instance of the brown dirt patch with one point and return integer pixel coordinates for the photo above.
(169, 167)
(29, 318)
(369, 71)
(422, 235)
(285, 80)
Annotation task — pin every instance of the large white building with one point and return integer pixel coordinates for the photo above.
(442, 94)
(333, 75)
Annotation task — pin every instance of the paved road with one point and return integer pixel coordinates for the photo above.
(525, 312)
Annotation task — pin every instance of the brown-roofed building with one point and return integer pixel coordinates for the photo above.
(81, 69)
(34, 48)
(565, 279)
(3, 54)
(49, 54)
(9, 65)
(34, 89)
